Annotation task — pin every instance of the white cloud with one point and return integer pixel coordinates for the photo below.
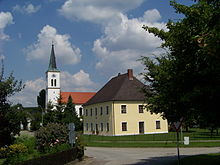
(5, 19)
(26, 9)
(28, 96)
(78, 82)
(96, 10)
(124, 42)
(151, 16)
(66, 53)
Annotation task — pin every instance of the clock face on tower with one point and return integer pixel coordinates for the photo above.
(53, 75)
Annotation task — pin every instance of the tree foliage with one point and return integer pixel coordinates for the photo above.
(51, 135)
(70, 115)
(9, 119)
(63, 114)
(185, 82)
(41, 99)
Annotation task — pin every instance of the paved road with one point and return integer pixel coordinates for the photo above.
(138, 156)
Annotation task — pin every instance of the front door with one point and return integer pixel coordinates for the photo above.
(141, 127)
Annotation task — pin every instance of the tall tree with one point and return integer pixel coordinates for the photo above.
(9, 120)
(41, 99)
(185, 82)
(70, 115)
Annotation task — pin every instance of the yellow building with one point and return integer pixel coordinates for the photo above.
(118, 109)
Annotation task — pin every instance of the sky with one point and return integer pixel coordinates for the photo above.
(94, 40)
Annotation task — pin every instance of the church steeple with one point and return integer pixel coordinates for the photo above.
(53, 80)
(52, 64)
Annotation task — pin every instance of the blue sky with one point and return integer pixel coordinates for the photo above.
(94, 40)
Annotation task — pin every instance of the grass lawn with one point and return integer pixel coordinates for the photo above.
(210, 159)
(198, 138)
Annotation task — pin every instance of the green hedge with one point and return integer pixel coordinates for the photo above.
(55, 158)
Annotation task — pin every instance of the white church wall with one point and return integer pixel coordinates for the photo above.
(78, 109)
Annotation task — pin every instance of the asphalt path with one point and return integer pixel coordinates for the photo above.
(138, 156)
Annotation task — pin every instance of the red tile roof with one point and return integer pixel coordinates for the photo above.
(78, 97)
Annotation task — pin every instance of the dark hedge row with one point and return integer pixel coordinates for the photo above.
(59, 158)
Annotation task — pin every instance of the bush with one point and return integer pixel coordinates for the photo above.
(13, 150)
(80, 147)
(50, 136)
(28, 141)
(13, 153)
(3, 152)
(57, 148)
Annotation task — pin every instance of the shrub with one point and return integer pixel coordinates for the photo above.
(57, 148)
(15, 149)
(28, 141)
(13, 153)
(80, 147)
(50, 136)
(3, 152)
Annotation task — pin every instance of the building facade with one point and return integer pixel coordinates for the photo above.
(118, 109)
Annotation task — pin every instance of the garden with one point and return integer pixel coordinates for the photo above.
(48, 142)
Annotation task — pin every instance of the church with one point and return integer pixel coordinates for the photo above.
(53, 88)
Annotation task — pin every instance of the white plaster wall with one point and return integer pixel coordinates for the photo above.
(77, 108)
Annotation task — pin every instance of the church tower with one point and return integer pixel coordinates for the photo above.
(53, 80)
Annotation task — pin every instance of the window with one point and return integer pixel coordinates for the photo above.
(96, 111)
(97, 128)
(107, 127)
(101, 126)
(51, 82)
(80, 111)
(91, 127)
(107, 110)
(157, 124)
(55, 82)
(141, 108)
(101, 111)
(124, 126)
(87, 126)
(91, 112)
(123, 108)
(141, 127)
(86, 112)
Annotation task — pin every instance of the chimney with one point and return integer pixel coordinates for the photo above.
(130, 74)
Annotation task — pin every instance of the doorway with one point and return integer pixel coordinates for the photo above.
(141, 127)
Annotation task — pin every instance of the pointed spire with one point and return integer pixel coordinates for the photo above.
(52, 64)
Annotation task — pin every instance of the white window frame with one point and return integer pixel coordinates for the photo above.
(123, 111)
(139, 108)
(122, 126)
(157, 125)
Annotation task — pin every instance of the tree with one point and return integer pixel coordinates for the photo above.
(9, 121)
(41, 99)
(54, 114)
(185, 82)
(70, 115)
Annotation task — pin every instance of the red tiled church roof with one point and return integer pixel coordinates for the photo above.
(78, 97)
